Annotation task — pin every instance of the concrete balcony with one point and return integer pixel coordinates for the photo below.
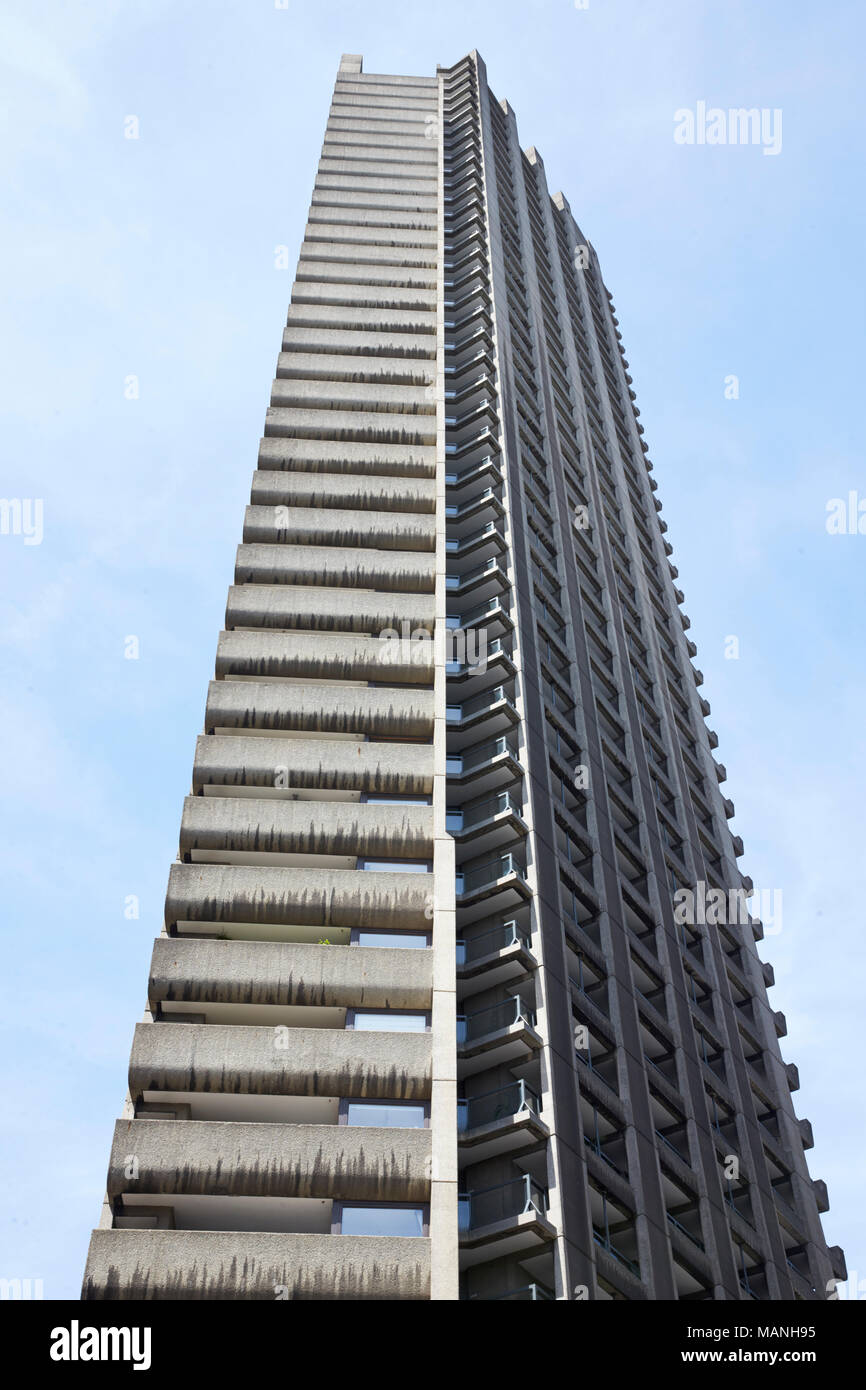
(393, 274)
(260, 897)
(499, 1035)
(243, 830)
(395, 571)
(271, 973)
(471, 678)
(373, 459)
(480, 719)
(220, 1058)
(320, 708)
(205, 1157)
(482, 768)
(318, 609)
(328, 655)
(392, 323)
(493, 956)
(342, 527)
(409, 237)
(374, 427)
(486, 826)
(251, 766)
(381, 395)
(498, 1122)
(344, 490)
(318, 368)
(493, 889)
(477, 586)
(509, 1219)
(363, 343)
(204, 1265)
(385, 296)
(465, 518)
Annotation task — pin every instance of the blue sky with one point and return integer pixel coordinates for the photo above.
(156, 258)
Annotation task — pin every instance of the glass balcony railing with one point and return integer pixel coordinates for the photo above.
(455, 714)
(493, 1019)
(469, 817)
(603, 1240)
(696, 1240)
(489, 873)
(505, 1202)
(493, 608)
(455, 510)
(501, 1104)
(474, 538)
(487, 943)
(460, 581)
(464, 475)
(495, 650)
(483, 753)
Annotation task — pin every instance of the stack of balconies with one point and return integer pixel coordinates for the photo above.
(503, 1225)
(277, 1139)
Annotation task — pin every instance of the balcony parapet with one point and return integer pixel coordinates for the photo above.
(231, 760)
(283, 972)
(250, 1060)
(320, 708)
(238, 1159)
(302, 897)
(332, 655)
(254, 1265)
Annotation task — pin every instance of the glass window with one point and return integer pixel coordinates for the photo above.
(412, 940)
(374, 800)
(382, 1221)
(399, 866)
(385, 1115)
(388, 1021)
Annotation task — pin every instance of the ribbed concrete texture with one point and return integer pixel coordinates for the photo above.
(422, 1021)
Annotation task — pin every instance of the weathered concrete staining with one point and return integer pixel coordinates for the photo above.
(299, 897)
(248, 1060)
(347, 656)
(168, 1265)
(319, 316)
(384, 428)
(305, 827)
(382, 396)
(349, 457)
(324, 708)
(334, 526)
(273, 488)
(271, 1160)
(403, 571)
(309, 369)
(281, 972)
(321, 764)
(290, 606)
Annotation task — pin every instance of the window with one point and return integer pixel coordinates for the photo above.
(386, 1021)
(411, 940)
(373, 799)
(398, 866)
(385, 1114)
(355, 1219)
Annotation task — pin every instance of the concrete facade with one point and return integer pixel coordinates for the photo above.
(422, 1022)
